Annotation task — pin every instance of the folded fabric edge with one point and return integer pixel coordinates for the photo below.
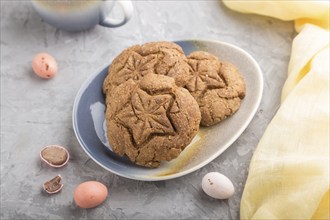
(304, 49)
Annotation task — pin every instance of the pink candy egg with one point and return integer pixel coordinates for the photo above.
(90, 194)
(44, 65)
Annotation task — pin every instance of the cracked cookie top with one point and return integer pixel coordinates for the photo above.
(217, 86)
(163, 58)
(151, 120)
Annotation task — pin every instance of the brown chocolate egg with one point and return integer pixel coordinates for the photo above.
(54, 155)
(54, 185)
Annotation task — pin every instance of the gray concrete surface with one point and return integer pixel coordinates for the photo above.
(35, 112)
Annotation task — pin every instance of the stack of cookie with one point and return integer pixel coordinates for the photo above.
(156, 98)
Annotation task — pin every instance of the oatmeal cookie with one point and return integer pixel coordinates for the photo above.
(151, 120)
(163, 58)
(217, 86)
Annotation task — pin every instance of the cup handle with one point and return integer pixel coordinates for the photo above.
(127, 8)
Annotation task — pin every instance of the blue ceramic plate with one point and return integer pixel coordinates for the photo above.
(209, 143)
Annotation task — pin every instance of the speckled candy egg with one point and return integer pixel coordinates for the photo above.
(217, 185)
(90, 194)
(44, 65)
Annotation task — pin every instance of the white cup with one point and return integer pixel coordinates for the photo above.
(78, 15)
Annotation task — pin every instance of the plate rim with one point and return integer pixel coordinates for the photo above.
(198, 166)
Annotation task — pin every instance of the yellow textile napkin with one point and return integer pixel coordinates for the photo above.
(289, 171)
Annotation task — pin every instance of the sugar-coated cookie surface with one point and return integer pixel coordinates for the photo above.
(163, 58)
(217, 86)
(152, 120)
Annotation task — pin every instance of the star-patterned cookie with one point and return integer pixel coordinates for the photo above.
(151, 120)
(147, 115)
(163, 58)
(204, 73)
(217, 86)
